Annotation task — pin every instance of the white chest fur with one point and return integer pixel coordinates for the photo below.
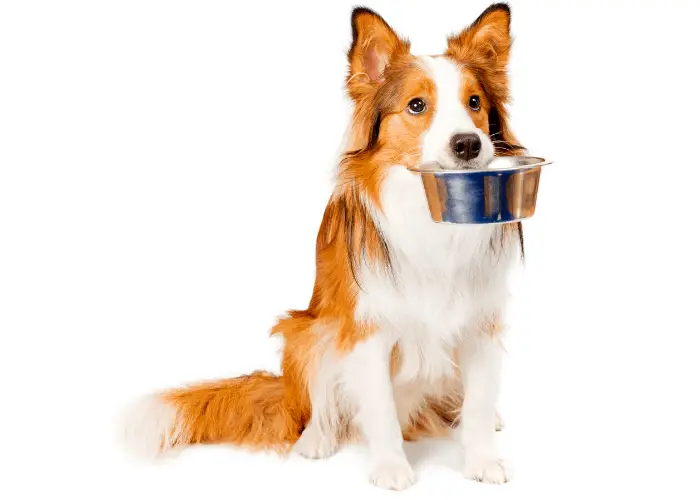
(446, 277)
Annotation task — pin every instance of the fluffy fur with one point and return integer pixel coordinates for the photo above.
(405, 316)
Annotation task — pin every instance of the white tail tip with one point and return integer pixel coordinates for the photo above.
(150, 427)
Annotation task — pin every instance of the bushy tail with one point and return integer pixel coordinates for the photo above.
(250, 411)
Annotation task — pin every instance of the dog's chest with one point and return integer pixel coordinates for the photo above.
(443, 279)
(425, 315)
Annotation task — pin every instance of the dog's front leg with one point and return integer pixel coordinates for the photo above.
(367, 381)
(480, 364)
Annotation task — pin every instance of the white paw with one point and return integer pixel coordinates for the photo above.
(392, 473)
(488, 470)
(314, 443)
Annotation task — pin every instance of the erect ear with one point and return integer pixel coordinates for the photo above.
(374, 45)
(486, 43)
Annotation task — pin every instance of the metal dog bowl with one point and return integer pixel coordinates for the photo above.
(504, 191)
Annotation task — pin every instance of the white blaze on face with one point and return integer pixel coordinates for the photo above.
(451, 116)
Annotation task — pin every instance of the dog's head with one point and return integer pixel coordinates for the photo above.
(448, 108)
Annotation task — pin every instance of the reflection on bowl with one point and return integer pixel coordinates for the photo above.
(504, 191)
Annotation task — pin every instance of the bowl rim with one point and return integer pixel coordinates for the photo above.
(468, 171)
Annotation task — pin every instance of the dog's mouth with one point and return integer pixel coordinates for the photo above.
(447, 163)
(466, 165)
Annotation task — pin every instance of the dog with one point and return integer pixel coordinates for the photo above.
(402, 337)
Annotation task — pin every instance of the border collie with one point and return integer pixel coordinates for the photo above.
(401, 338)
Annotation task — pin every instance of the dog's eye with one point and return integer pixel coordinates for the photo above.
(474, 103)
(416, 106)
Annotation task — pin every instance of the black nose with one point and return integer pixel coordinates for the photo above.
(465, 146)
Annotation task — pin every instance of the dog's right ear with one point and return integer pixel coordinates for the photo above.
(374, 45)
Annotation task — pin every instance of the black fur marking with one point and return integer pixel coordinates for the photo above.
(521, 237)
(348, 219)
(356, 254)
(495, 128)
(493, 8)
(374, 133)
(496, 133)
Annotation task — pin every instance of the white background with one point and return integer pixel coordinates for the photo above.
(164, 168)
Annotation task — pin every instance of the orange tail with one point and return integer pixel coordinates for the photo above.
(250, 411)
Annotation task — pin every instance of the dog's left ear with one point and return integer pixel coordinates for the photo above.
(486, 43)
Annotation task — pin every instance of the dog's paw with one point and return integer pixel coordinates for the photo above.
(392, 473)
(488, 470)
(314, 443)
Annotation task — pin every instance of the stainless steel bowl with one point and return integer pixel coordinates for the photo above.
(504, 191)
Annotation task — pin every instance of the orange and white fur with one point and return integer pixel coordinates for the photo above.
(401, 338)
